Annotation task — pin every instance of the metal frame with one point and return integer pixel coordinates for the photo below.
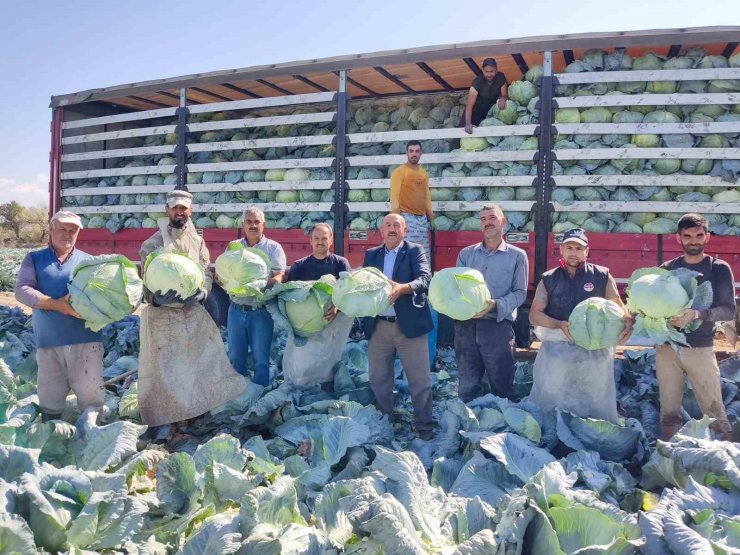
(55, 161)
(340, 170)
(544, 168)
(181, 150)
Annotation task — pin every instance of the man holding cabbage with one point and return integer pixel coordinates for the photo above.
(484, 344)
(580, 318)
(697, 362)
(69, 355)
(183, 368)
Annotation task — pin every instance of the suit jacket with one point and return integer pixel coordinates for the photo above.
(412, 267)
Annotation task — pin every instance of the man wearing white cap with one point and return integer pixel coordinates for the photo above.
(69, 355)
(183, 368)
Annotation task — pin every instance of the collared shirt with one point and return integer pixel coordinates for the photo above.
(389, 261)
(278, 261)
(506, 272)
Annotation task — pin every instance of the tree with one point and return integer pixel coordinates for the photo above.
(11, 218)
(22, 225)
(35, 229)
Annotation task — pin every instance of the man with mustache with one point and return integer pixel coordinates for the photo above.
(411, 198)
(566, 376)
(403, 327)
(250, 325)
(183, 368)
(698, 362)
(485, 344)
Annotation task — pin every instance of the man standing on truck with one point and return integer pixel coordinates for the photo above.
(183, 368)
(485, 344)
(403, 327)
(69, 355)
(411, 198)
(311, 360)
(486, 89)
(698, 362)
(250, 325)
(566, 376)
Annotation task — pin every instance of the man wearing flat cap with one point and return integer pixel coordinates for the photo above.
(488, 88)
(69, 355)
(567, 376)
(183, 368)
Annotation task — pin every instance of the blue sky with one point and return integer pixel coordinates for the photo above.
(52, 47)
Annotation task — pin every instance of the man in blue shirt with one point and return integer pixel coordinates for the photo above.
(69, 355)
(485, 344)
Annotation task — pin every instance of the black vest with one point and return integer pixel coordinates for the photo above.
(565, 292)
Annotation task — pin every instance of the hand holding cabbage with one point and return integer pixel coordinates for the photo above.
(460, 293)
(173, 278)
(243, 271)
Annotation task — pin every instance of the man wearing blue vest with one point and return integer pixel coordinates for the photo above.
(69, 355)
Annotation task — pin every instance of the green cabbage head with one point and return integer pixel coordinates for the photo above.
(165, 270)
(105, 289)
(303, 304)
(243, 271)
(363, 292)
(596, 323)
(459, 293)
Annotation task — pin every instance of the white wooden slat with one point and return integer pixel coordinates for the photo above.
(123, 134)
(674, 180)
(658, 128)
(451, 133)
(678, 99)
(311, 98)
(119, 153)
(488, 181)
(641, 153)
(115, 172)
(133, 116)
(445, 206)
(265, 206)
(319, 184)
(648, 75)
(649, 206)
(319, 117)
(262, 143)
(445, 157)
(262, 165)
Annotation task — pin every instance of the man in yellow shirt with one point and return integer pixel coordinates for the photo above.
(410, 196)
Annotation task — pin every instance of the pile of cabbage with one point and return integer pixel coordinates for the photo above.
(727, 172)
(281, 470)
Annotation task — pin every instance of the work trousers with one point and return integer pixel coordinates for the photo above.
(250, 330)
(77, 367)
(484, 346)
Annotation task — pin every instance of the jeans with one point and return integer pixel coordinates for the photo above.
(250, 330)
(484, 346)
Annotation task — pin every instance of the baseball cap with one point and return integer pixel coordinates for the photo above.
(577, 235)
(179, 198)
(489, 62)
(66, 217)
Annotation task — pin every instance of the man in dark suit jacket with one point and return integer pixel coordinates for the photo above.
(403, 327)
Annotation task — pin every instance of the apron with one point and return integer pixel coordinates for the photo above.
(573, 379)
(183, 368)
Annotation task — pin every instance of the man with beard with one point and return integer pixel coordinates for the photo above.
(485, 344)
(486, 89)
(250, 325)
(411, 198)
(183, 368)
(566, 376)
(403, 327)
(698, 362)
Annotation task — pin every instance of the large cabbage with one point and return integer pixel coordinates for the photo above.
(105, 289)
(362, 292)
(165, 270)
(596, 323)
(655, 295)
(303, 304)
(473, 143)
(243, 271)
(459, 293)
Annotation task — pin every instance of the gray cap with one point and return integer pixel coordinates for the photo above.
(179, 198)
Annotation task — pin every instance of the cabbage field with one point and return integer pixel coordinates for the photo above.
(239, 167)
(281, 470)
(10, 263)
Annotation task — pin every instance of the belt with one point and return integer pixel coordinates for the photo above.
(387, 318)
(247, 308)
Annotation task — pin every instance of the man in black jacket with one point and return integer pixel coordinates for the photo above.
(698, 362)
(404, 326)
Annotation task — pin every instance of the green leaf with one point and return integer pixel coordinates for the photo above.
(15, 536)
(101, 447)
(14, 461)
(519, 456)
(177, 485)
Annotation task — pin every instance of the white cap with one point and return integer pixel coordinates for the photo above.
(179, 198)
(66, 218)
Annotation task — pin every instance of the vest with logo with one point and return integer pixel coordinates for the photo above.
(565, 292)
